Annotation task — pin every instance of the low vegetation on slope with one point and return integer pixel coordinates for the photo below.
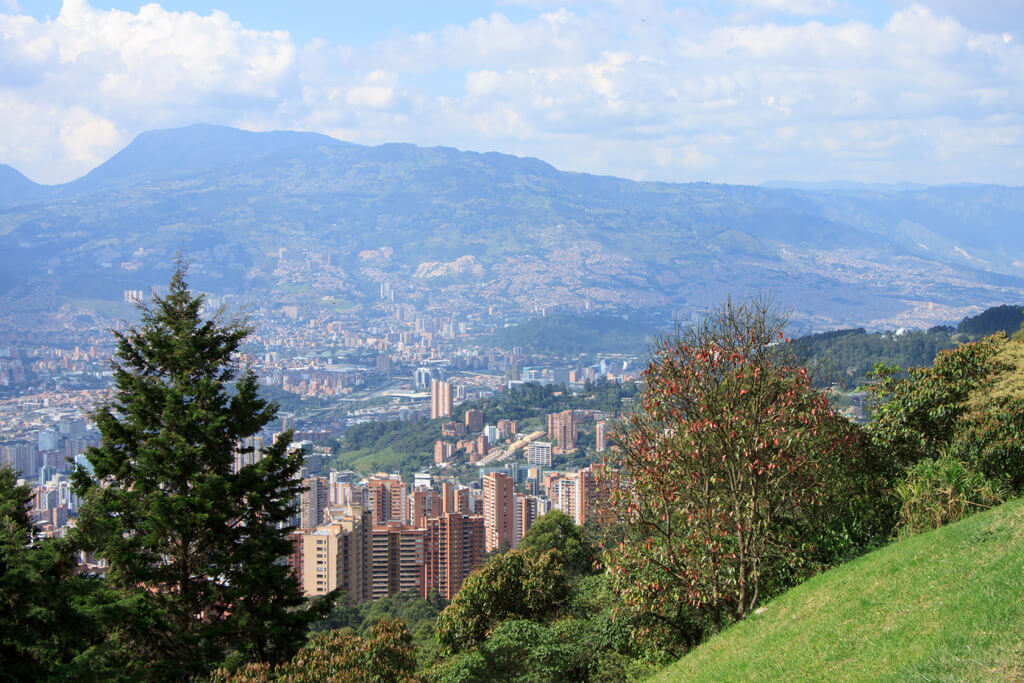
(948, 604)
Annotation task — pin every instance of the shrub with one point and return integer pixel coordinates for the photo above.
(943, 490)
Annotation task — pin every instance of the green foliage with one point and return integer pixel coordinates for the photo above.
(199, 546)
(733, 463)
(401, 436)
(510, 586)
(604, 394)
(555, 530)
(386, 656)
(388, 446)
(1005, 319)
(918, 416)
(522, 650)
(968, 405)
(522, 402)
(937, 492)
(407, 607)
(589, 642)
(574, 460)
(50, 616)
(519, 650)
(852, 354)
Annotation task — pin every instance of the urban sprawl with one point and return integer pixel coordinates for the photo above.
(370, 533)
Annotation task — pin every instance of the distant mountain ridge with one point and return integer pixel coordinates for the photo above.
(841, 186)
(199, 148)
(16, 188)
(286, 215)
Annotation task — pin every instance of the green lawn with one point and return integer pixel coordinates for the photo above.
(943, 606)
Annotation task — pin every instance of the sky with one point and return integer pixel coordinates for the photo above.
(734, 91)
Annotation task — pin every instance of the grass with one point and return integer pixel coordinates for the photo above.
(947, 605)
(373, 460)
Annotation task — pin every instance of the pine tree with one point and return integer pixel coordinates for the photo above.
(203, 546)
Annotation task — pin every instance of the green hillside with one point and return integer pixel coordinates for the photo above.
(945, 605)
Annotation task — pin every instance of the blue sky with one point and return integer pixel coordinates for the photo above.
(738, 91)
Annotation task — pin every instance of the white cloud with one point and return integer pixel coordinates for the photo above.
(86, 138)
(377, 91)
(670, 94)
(992, 16)
(96, 75)
(798, 7)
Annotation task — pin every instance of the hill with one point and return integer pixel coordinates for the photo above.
(567, 334)
(945, 605)
(190, 151)
(1006, 319)
(16, 188)
(302, 218)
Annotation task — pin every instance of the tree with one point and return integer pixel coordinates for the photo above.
(969, 404)
(387, 656)
(200, 544)
(729, 463)
(49, 613)
(510, 586)
(555, 530)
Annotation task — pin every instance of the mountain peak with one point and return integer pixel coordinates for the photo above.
(15, 188)
(191, 150)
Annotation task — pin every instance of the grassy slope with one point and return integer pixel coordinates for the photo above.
(946, 605)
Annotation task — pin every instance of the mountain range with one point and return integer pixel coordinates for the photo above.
(301, 218)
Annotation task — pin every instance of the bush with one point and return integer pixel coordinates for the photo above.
(510, 586)
(387, 656)
(940, 491)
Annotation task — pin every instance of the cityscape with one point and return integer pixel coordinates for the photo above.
(526, 341)
(481, 490)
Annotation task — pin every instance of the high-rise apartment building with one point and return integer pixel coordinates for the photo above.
(539, 453)
(492, 433)
(443, 452)
(499, 510)
(386, 496)
(602, 436)
(338, 554)
(526, 513)
(423, 503)
(508, 428)
(313, 502)
(398, 557)
(562, 430)
(592, 489)
(474, 420)
(453, 429)
(440, 399)
(455, 546)
(562, 492)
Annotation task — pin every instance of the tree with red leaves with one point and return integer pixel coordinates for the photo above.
(730, 459)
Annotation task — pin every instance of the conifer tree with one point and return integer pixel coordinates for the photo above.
(200, 544)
